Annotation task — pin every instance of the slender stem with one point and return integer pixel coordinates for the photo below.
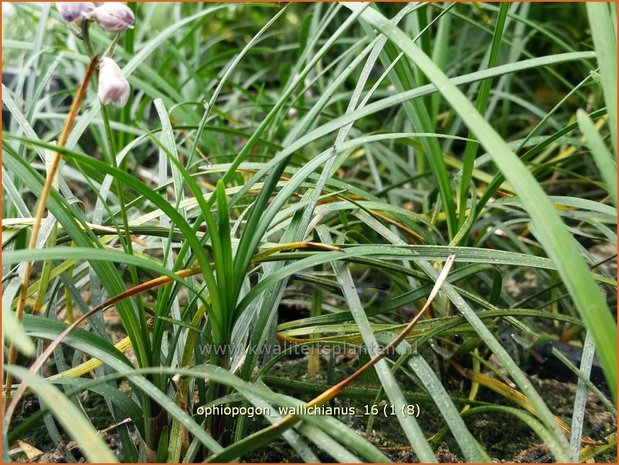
(126, 239)
(126, 243)
(86, 37)
(40, 211)
(128, 248)
(144, 358)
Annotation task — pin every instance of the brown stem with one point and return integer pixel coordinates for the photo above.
(47, 188)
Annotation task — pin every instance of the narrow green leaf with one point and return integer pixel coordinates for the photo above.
(70, 417)
(14, 332)
(605, 42)
(604, 160)
(550, 230)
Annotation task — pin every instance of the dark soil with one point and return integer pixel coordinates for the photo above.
(505, 438)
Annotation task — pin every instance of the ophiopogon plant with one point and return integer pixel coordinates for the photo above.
(301, 173)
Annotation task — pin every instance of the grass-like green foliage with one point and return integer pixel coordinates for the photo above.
(322, 159)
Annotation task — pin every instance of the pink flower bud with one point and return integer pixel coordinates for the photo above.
(115, 17)
(113, 87)
(70, 11)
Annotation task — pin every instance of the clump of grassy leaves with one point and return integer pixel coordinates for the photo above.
(319, 158)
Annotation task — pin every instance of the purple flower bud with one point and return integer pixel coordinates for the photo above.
(115, 17)
(113, 87)
(70, 11)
